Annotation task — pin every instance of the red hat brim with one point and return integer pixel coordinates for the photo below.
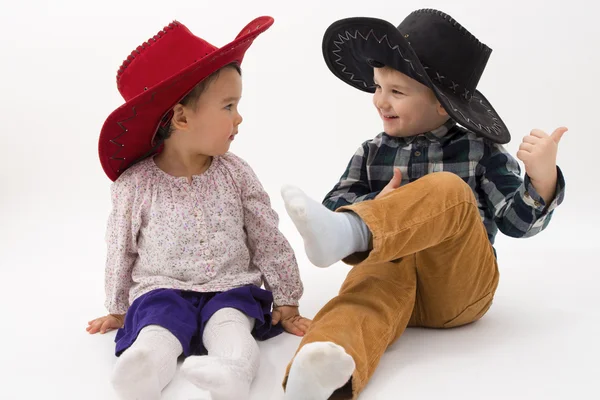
(127, 134)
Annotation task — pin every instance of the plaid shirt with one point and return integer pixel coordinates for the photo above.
(505, 200)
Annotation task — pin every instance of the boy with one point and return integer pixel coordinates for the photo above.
(419, 206)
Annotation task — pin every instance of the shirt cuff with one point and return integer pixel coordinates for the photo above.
(279, 301)
(535, 201)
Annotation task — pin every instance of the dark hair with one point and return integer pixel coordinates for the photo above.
(164, 131)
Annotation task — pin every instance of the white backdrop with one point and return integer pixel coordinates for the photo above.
(58, 62)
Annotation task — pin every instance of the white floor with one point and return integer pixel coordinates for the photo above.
(539, 341)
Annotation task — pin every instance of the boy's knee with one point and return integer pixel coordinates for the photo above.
(450, 184)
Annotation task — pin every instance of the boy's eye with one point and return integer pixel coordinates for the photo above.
(396, 92)
(228, 106)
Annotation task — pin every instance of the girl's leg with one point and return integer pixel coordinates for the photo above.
(148, 365)
(233, 356)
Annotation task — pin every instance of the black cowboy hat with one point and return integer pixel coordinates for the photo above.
(428, 46)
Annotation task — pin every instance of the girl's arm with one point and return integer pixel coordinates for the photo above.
(121, 241)
(270, 250)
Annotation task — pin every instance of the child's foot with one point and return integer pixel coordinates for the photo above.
(328, 236)
(317, 371)
(224, 379)
(135, 376)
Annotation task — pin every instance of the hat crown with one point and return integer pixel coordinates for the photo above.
(448, 51)
(167, 53)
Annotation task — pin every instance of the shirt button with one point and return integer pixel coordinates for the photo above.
(417, 153)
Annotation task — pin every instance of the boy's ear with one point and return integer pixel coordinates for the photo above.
(179, 120)
(441, 110)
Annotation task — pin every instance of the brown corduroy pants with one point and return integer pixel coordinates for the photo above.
(431, 265)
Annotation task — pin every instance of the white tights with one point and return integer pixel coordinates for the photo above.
(145, 368)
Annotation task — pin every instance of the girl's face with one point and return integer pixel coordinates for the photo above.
(209, 126)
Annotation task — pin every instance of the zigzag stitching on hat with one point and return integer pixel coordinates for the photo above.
(343, 39)
(365, 38)
(454, 23)
(397, 48)
(339, 57)
(495, 126)
(144, 46)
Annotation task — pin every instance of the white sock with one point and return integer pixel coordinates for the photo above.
(328, 236)
(233, 357)
(317, 371)
(148, 365)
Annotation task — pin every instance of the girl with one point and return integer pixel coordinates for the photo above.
(192, 236)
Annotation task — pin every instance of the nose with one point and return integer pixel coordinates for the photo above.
(380, 101)
(238, 119)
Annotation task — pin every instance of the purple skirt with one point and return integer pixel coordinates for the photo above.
(185, 315)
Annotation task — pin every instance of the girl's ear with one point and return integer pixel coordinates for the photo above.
(179, 120)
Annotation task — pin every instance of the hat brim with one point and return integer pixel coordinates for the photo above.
(352, 46)
(127, 134)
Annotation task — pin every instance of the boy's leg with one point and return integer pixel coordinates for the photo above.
(435, 220)
(434, 225)
(372, 309)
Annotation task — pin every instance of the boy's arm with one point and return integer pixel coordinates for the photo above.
(518, 209)
(353, 186)
(269, 249)
(121, 238)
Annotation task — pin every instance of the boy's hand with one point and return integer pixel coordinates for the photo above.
(538, 153)
(106, 324)
(291, 320)
(393, 184)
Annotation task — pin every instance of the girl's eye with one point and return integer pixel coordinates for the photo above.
(228, 107)
(397, 92)
(376, 86)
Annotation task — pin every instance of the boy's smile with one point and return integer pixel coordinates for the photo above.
(406, 106)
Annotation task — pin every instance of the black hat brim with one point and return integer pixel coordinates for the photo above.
(352, 46)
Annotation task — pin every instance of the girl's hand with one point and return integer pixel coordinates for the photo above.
(106, 324)
(291, 320)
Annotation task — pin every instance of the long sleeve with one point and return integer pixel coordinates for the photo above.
(353, 186)
(518, 210)
(121, 235)
(270, 250)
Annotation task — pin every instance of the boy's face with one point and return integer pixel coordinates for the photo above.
(406, 106)
(209, 127)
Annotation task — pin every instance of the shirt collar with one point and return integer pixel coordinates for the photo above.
(437, 135)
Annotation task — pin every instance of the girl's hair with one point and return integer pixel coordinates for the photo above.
(190, 100)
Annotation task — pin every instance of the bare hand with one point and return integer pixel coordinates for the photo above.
(291, 320)
(538, 153)
(393, 184)
(106, 323)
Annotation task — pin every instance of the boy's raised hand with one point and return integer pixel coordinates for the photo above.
(393, 184)
(291, 320)
(538, 153)
(106, 323)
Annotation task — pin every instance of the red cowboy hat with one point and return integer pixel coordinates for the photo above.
(153, 79)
